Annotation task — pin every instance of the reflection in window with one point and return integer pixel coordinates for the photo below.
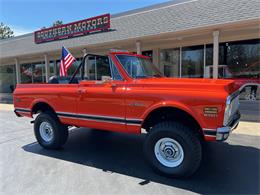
(97, 68)
(26, 73)
(138, 67)
(38, 72)
(209, 61)
(33, 73)
(239, 59)
(7, 78)
(192, 61)
(115, 73)
(170, 61)
(52, 68)
(243, 59)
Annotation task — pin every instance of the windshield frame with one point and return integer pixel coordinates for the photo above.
(138, 56)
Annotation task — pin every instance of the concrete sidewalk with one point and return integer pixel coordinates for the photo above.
(6, 107)
(248, 128)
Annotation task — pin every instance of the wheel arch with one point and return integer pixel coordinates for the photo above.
(41, 105)
(175, 112)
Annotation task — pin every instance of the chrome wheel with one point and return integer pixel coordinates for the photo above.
(46, 131)
(169, 152)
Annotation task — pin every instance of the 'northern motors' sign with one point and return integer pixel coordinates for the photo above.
(74, 29)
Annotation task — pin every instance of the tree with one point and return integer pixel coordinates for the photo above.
(57, 23)
(5, 31)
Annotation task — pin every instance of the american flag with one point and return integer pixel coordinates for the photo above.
(66, 61)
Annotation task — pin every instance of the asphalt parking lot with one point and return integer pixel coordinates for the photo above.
(97, 162)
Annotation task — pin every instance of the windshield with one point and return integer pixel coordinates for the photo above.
(138, 67)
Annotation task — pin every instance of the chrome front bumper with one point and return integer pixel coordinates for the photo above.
(223, 132)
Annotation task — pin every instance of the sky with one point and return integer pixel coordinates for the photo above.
(25, 16)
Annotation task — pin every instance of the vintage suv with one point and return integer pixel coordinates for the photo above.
(125, 92)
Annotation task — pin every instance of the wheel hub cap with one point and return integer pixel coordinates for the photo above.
(46, 131)
(169, 152)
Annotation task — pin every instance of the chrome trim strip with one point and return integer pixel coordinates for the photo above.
(91, 115)
(26, 112)
(101, 116)
(133, 119)
(110, 119)
(131, 124)
(95, 120)
(20, 108)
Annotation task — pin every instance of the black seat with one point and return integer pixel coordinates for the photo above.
(53, 80)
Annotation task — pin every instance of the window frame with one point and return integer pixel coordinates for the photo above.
(138, 56)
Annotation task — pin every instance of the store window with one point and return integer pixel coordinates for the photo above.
(170, 61)
(7, 78)
(192, 62)
(209, 62)
(242, 59)
(97, 68)
(33, 73)
(53, 68)
(238, 59)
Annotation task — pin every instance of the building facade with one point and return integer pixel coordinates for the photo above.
(194, 39)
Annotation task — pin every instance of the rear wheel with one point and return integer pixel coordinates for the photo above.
(49, 132)
(173, 149)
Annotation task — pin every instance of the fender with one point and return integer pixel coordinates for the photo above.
(40, 100)
(174, 104)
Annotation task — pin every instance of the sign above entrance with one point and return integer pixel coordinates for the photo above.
(74, 29)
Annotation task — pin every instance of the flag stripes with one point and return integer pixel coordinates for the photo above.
(66, 61)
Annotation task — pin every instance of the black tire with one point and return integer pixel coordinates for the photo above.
(187, 140)
(60, 131)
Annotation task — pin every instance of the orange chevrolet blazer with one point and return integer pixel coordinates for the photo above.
(125, 92)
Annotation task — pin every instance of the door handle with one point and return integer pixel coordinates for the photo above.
(81, 91)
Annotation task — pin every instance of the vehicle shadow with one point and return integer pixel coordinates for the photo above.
(225, 169)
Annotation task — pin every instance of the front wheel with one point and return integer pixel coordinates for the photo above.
(173, 149)
(49, 132)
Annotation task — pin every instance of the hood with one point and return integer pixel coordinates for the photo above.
(190, 84)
